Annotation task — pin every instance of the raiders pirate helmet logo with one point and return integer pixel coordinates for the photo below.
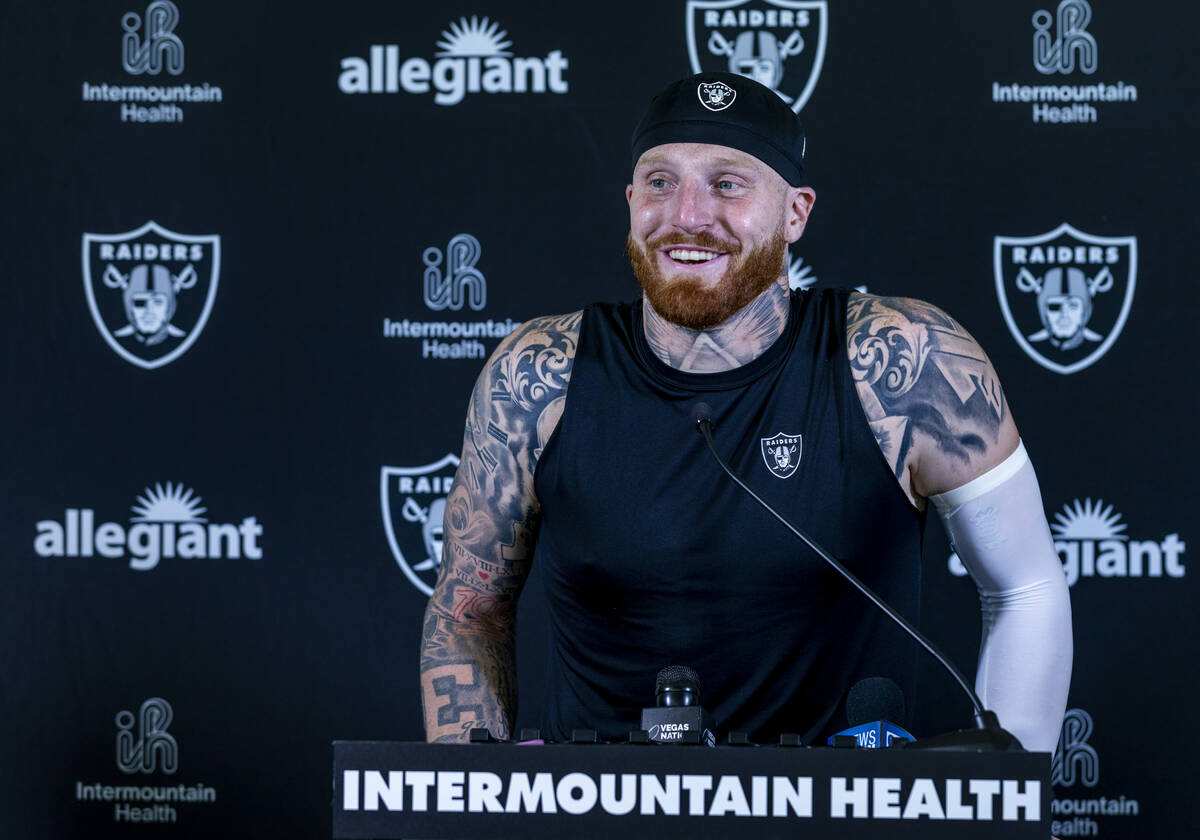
(716, 96)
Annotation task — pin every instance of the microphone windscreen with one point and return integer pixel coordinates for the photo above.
(677, 675)
(875, 698)
(701, 411)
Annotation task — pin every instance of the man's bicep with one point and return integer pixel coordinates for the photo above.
(492, 513)
(490, 518)
(930, 392)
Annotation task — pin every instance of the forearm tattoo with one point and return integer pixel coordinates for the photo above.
(923, 381)
(468, 664)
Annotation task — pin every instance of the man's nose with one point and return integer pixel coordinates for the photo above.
(693, 211)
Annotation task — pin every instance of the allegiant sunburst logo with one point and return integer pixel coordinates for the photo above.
(473, 57)
(168, 523)
(1090, 539)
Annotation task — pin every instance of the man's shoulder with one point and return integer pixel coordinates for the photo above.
(929, 391)
(533, 363)
(543, 329)
(887, 310)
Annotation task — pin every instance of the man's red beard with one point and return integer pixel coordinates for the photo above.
(690, 303)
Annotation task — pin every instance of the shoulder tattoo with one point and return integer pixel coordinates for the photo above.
(921, 377)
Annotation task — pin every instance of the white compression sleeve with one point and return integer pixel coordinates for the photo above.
(997, 526)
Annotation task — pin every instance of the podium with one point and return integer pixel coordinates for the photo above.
(387, 789)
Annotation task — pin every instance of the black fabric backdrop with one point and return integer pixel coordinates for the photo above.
(291, 400)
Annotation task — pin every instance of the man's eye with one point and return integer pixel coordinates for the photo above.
(658, 183)
(726, 185)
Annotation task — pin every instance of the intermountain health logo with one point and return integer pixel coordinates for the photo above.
(1065, 294)
(451, 281)
(778, 43)
(1063, 47)
(1090, 540)
(473, 58)
(167, 524)
(1077, 763)
(150, 290)
(151, 747)
(413, 502)
(150, 46)
(145, 747)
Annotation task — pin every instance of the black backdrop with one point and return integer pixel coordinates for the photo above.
(291, 400)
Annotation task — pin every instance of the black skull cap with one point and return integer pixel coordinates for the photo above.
(725, 109)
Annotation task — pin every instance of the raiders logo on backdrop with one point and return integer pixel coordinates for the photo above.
(716, 96)
(779, 43)
(781, 454)
(413, 500)
(150, 290)
(1065, 294)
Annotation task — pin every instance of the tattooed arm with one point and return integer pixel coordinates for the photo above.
(931, 395)
(940, 419)
(468, 665)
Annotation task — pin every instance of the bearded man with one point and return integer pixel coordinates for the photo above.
(579, 441)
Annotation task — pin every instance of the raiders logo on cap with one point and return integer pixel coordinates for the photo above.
(716, 96)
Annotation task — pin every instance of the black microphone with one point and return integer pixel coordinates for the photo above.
(677, 716)
(873, 706)
(987, 735)
(875, 698)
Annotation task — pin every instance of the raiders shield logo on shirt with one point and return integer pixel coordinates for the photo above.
(781, 454)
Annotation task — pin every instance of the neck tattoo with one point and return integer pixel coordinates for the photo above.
(741, 339)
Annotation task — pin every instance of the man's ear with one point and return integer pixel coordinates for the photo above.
(800, 202)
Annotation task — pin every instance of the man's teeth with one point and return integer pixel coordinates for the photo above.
(691, 256)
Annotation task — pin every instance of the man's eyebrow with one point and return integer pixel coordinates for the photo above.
(650, 161)
(732, 163)
(653, 160)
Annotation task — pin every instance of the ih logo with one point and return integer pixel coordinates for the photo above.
(158, 46)
(461, 282)
(779, 43)
(150, 290)
(1075, 760)
(151, 747)
(782, 454)
(1065, 294)
(413, 500)
(1056, 53)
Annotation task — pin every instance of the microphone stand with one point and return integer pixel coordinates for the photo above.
(988, 736)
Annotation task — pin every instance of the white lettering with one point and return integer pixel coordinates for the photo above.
(391, 792)
(350, 790)
(984, 790)
(885, 795)
(955, 809)
(610, 801)
(538, 796)
(572, 784)
(857, 796)
(353, 78)
(696, 787)
(923, 801)
(664, 795)
(1015, 800)
(420, 781)
(450, 790)
(728, 797)
(798, 798)
(483, 793)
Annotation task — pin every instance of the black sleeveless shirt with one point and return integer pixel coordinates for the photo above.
(651, 556)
